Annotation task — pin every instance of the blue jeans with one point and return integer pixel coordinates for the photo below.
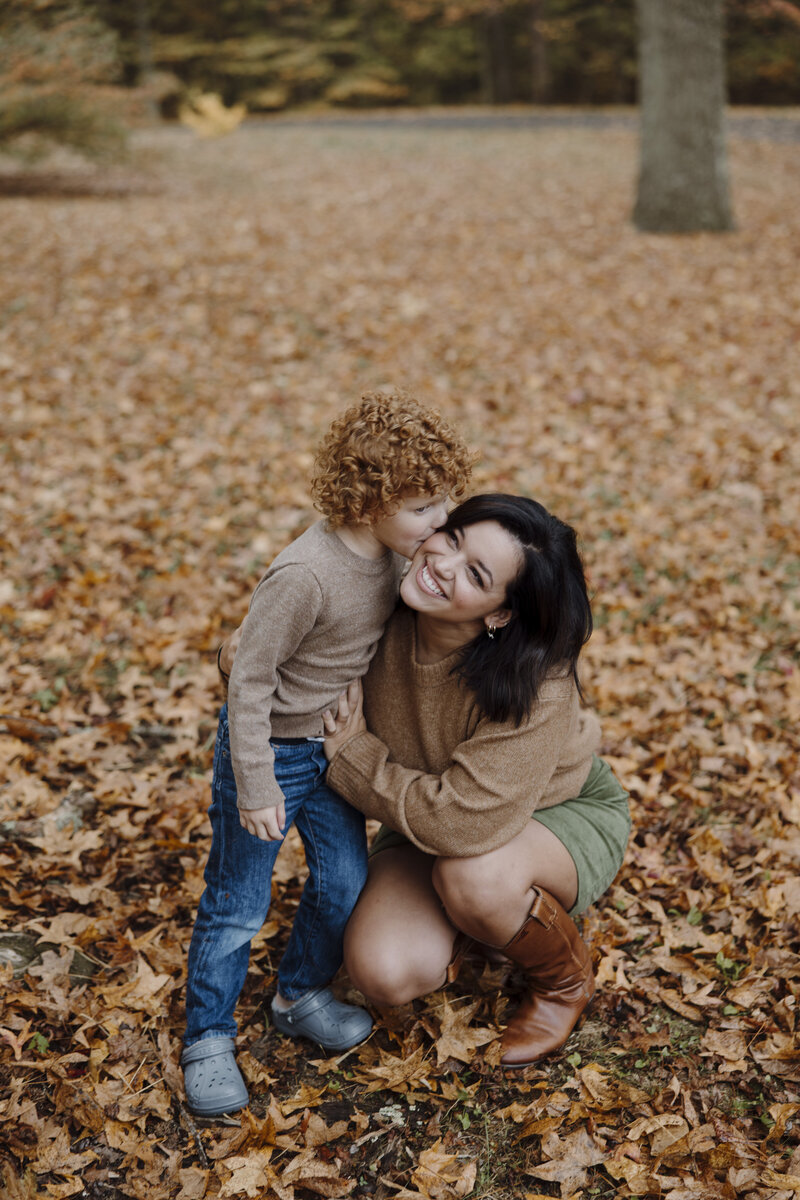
(238, 878)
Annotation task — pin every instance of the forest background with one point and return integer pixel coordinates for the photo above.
(271, 54)
(278, 54)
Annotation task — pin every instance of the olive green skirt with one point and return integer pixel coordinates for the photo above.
(594, 827)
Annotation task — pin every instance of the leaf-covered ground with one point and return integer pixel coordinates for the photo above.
(170, 350)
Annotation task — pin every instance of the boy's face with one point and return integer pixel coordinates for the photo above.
(409, 525)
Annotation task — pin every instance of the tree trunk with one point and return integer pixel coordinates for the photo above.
(683, 175)
(498, 56)
(144, 40)
(540, 72)
(485, 59)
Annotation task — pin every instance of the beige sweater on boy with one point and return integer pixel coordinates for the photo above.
(313, 624)
(433, 768)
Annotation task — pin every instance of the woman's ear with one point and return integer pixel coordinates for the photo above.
(498, 619)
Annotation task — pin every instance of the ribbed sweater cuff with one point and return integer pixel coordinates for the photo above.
(354, 767)
(268, 796)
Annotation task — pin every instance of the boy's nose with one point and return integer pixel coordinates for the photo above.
(438, 515)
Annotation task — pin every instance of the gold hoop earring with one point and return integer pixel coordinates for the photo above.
(491, 630)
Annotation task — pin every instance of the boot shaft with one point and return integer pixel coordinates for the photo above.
(550, 947)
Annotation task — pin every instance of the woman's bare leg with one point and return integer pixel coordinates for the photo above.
(489, 896)
(517, 898)
(398, 942)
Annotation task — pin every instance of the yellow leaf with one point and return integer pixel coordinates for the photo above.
(663, 1131)
(208, 116)
(457, 1038)
(306, 1097)
(788, 1183)
(396, 1072)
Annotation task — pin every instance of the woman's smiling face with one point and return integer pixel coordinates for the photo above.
(462, 575)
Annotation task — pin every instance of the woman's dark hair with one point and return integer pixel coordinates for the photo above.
(551, 615)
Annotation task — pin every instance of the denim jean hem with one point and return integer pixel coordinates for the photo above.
(292, 993)
(207, 1035)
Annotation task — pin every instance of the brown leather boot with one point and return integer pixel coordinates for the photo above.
(560, 982)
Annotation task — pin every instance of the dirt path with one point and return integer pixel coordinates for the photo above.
(767, 127)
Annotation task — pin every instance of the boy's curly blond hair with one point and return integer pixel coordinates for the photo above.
(382, 450)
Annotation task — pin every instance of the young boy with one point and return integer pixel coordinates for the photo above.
(381, 478)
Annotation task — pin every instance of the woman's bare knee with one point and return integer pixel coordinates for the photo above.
(386, 979)
(398, 941)
(489, 896)
(380, 982)
(474, 893)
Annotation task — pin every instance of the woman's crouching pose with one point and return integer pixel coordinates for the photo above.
(470, 743)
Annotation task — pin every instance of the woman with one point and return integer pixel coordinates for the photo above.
(471, 744)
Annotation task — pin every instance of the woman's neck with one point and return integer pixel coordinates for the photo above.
(439, 639)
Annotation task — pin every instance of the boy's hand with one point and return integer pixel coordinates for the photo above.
(347, 721)
(264, 823)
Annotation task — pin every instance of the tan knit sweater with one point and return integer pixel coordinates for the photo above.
(313, 625)
(431, 767)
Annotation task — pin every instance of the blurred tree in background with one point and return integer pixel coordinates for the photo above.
(272, 54)
(54, 57)
(683, 175)
(763, 51)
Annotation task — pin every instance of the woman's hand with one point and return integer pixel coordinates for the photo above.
(347, 721)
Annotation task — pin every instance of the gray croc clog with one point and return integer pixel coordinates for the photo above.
(323, 1019)
(213, 1082)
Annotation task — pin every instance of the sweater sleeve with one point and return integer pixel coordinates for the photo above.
(284, 608)
(483, 799)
